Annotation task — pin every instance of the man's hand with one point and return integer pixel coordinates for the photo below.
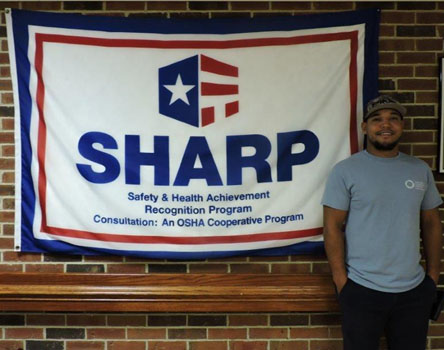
(431, 232)
(334, 244)
(434, 277)
(340, 283)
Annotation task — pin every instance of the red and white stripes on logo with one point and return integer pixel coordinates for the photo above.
(210, 65)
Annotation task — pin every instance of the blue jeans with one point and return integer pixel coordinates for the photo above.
(403, 317)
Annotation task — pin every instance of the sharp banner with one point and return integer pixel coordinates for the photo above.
(179, 139)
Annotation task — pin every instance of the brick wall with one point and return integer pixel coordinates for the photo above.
(411, 41)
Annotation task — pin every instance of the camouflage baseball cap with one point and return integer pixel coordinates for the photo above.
(383, 102)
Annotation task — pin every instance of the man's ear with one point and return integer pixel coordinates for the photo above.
(364, 128)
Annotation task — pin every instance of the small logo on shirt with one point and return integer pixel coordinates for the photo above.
(415, 185)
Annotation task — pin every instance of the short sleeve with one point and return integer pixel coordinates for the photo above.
(432, 198)
(336, 194)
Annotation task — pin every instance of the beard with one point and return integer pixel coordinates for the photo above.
(383, 146)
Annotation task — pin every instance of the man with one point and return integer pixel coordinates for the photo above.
(386, 200)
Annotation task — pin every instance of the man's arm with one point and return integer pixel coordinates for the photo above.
(431, 233)
(334, 244)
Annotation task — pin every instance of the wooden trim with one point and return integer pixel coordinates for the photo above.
(166, 292)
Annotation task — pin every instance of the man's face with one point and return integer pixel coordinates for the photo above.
(383, 129)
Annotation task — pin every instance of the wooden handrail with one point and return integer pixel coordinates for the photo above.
(166, 292)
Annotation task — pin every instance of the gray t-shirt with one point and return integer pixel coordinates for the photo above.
(383, 197)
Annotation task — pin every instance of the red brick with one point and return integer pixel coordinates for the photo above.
(126, 345)
(396, 44)
(86, 320)
(47, 268)
(395, 71)
(124, 5)
(386, 30)
(7, 190)
(436, 343)
(408, 122)
(146, 333)
(248, 345)
(5, 85)
(230, 259)
(6, 216)
(105, 333)
(206, 345)
(427, 97)
(167, 5)
(126, 320)
(247, 5)
(425, 150)
(45, 320)
(415, 57)
(7, 97)
(397, 17)
(208, 268)
(416, 5)
(171, 345)
(247, 320)
(24, 333)
(290, 268)
(8, 151)
(268, 333)
(290, 5)
(11, 344)
(85, 345)
(8, 203)
(335, 332)
(321, 267)
(333, 5)
(11, 268)
(417, 84)
(436, 329)
(289, 345)
(268, 258)
(6, 137)
(386, 58)
(188, 333)
(227, 333)
(309, 332)
(126, 268)
(429, 44)
(208, 5)
(4, 45)
(430, 17)
(8, 4)
(102, 259)
(21, 257)
(325, 319)
(42, 5)
(8, 177)
(6, 243)
(326, 344)
(249, 268)
(426, 71)
(307, 258)
(417, 136)
(4, 58)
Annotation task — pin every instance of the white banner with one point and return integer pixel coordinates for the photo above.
(182, 143)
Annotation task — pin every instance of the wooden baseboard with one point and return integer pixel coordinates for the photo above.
(29, 292)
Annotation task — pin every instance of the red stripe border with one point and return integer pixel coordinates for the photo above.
(40, 38)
